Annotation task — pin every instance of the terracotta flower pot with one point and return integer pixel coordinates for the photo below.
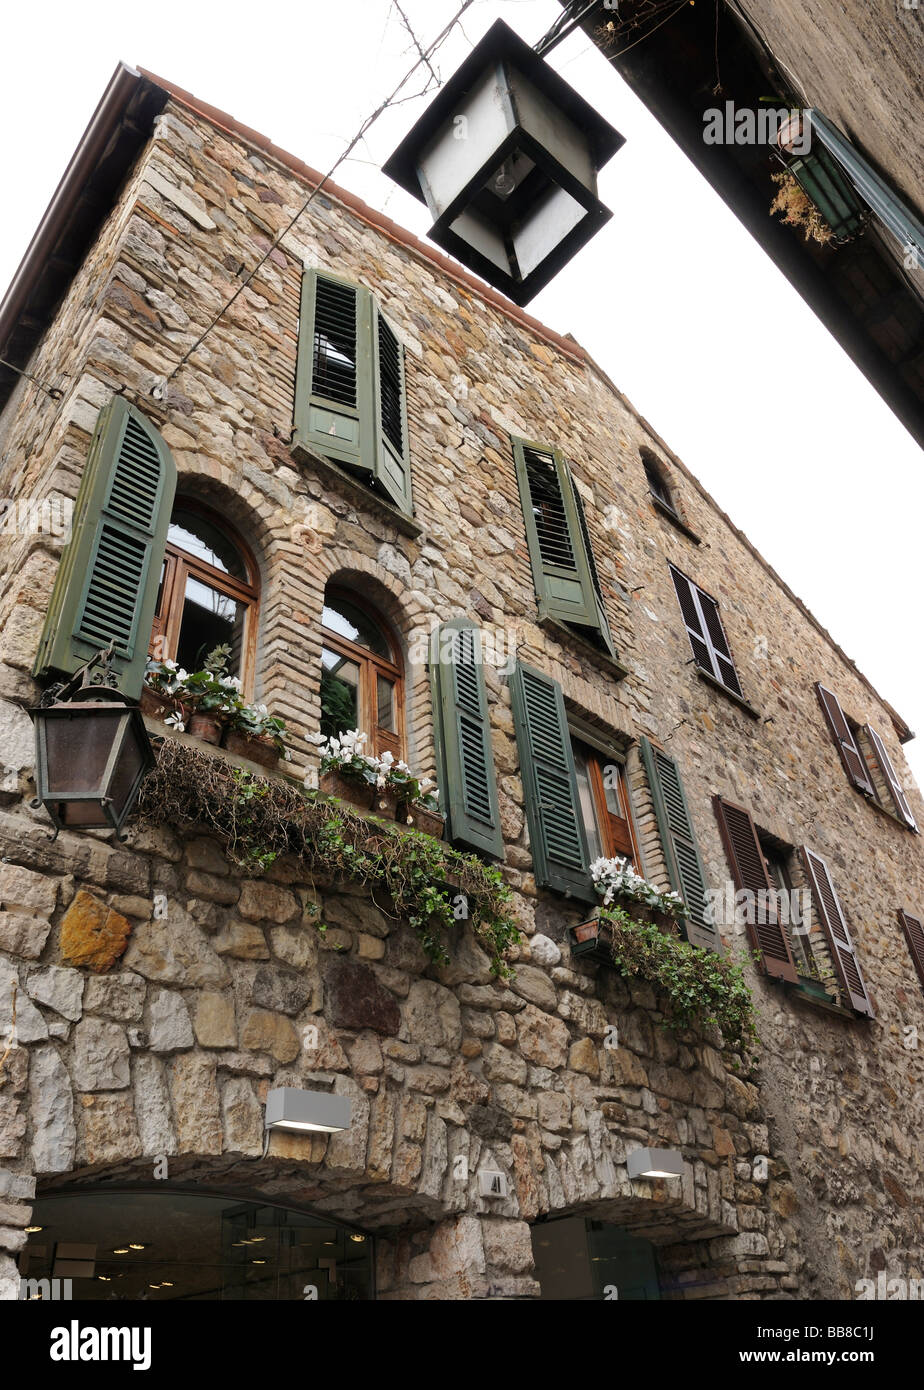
(586, 931)
(156, 705)
(357, 793)
(205, 726)
(418, 817)
(385, 802)
(258, 750)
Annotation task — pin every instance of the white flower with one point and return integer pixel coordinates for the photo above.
(173, 721)
(388, 759)
(381, 781)
(170, 665)
(230, 683)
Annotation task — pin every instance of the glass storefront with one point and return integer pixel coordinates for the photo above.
(580, 1260)
(192, 1246)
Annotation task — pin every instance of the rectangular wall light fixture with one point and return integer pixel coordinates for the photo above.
(315, 1112)
(655, 1163)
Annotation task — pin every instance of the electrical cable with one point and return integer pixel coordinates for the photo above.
(384, 106)
(565, 24)
(54, 392)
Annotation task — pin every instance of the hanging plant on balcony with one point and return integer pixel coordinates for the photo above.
(700, 988)
(409, 876)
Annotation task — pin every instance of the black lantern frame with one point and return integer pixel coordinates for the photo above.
(92, 753)
(506, 159)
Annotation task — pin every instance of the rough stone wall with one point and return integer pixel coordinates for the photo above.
(172, 1048)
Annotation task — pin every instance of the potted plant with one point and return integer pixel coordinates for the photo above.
(346, 771)
(162, 679)
(418, 801)
(619, 885)
(252, 732)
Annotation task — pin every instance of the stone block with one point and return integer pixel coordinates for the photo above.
(92, 934)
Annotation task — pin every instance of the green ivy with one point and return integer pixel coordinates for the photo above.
(701, 987)
(410, 875)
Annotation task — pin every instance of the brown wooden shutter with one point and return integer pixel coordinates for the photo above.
(844, 741)
(834, 925)
(749, 871)
(888, 772)
(913, 928)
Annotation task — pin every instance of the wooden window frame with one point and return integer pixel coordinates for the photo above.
(370, 666)
(180, 565)
(612, 840)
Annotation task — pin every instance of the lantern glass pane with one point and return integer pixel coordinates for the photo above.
(128, 769)
(77, 750)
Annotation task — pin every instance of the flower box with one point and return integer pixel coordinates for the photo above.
(415, 817)
(814, 989)
(258, 750)
(357, 793)
(205, 726)
(592, 939)
(156, 705)
(385, 802)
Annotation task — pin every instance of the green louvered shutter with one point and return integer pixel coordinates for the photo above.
(468, 786)
(564, 571)
(106, 587)
(556, 830)
(681, 850)
(334, 397)
(392, 461)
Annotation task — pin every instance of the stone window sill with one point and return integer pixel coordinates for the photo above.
(729, 694)
(160, 732)
(675, 519)
(362, 497)
(582, 647)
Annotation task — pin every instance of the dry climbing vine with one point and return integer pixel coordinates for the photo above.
(410, 876)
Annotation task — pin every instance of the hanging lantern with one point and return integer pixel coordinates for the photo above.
(506, 158)
(92, 753)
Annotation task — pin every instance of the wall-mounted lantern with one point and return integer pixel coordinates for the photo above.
(655, 1163)
(313, 1112)
(506, 158)
(92, 752)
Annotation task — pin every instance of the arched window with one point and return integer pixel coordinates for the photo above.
(208, 593)
(361, 686)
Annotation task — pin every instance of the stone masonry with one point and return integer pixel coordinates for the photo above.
(139, 1036)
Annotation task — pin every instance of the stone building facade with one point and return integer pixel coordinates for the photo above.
(143, 1035)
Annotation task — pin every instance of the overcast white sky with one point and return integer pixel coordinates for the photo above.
(673, 298)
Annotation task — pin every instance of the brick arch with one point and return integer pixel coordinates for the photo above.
(248, 510)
